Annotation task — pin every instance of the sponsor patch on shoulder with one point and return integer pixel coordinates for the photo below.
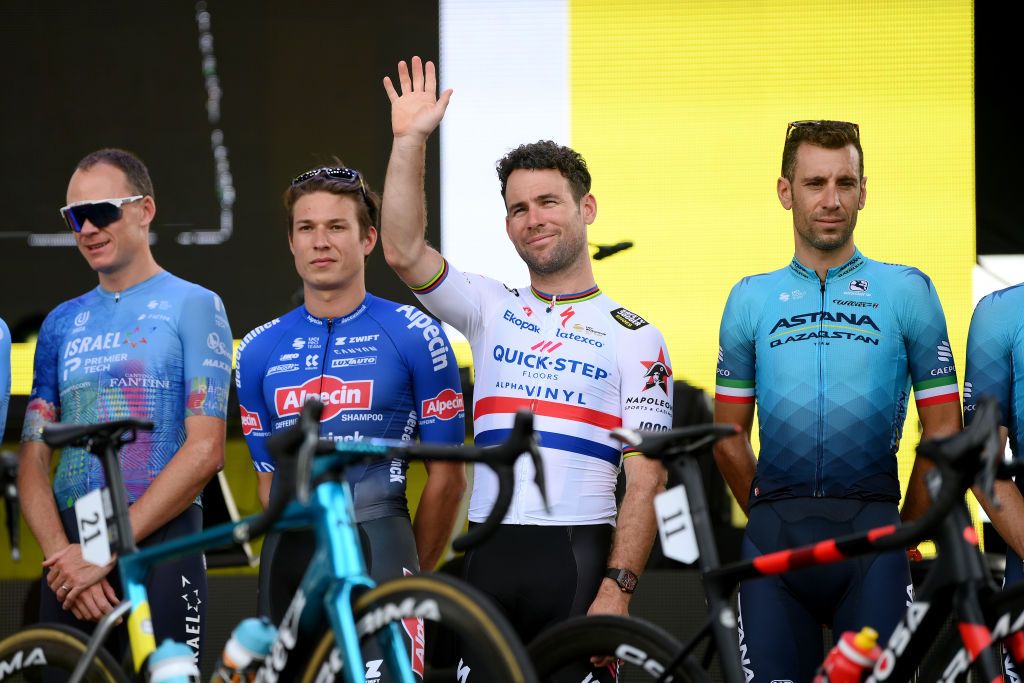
(628, 319)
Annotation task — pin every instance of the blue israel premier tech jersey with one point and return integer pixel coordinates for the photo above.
(385, 370)
(830, 366)
(995, 359)
(159, 351)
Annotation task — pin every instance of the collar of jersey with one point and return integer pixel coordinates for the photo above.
(585, 295)
(359, 310)
(106, 294)
(855, 263)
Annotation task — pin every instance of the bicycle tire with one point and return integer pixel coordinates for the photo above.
(642, 648)
(458, 607)
(55, 649)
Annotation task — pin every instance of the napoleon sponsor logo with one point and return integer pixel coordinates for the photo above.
(335, 394)
(520, 323)
(854, 304)
(431, 333)
(628, 319)
(648, 402)
(445, 406)
(533, 361)
(284, 367)
(391, 612)
(250, 421)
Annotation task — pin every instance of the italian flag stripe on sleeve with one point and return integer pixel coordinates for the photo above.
(734, 390)
(938, 390)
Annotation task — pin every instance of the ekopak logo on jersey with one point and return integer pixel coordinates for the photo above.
(250, 422)
(444, 406)
(335, 394)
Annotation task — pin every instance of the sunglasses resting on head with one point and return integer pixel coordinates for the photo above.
(99, 212)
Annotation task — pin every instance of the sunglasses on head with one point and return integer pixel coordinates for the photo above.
(99, 212)
(349, 175)
(793, 125)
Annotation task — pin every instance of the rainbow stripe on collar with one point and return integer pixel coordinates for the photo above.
(585, 295)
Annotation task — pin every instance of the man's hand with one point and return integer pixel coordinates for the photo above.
(93, 603)
(418, 110)
(70, 576)
(609, 600)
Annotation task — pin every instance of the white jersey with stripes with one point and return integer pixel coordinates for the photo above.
(583, 364)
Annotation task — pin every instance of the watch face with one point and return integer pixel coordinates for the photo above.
(627, 581)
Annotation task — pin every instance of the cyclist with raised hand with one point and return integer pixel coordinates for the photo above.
(382, 369)
(5, 374)
(560, 347)
(995, 367)
(829, 348)
(143, 344)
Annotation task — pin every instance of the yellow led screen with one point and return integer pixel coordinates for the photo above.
(680, 109)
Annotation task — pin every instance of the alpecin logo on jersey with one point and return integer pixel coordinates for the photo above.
(250, 421)
(445, 406)
(335, 394)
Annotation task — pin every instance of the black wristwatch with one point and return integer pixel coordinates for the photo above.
(625, 579)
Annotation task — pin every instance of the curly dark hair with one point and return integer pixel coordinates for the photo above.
(129, 164)
(546, 154)
(827, 134)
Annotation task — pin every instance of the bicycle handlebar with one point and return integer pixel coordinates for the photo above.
(300, 443)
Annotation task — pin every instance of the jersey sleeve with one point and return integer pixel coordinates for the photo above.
(456, 298)
(44, 401)
(206, 354)
(5, 374)
(646, 389)
(437, 390)
(929, 356)
(256, 417)
(989, 358)
(735, 375)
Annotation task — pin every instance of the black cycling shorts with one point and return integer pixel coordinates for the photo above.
(541, 575)
(781, 617)
(176, 588)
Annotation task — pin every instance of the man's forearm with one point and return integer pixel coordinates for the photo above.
(435, 516)
(176, 487)
(403, 215)
(637, 525)
(736, 462)
(38, 505)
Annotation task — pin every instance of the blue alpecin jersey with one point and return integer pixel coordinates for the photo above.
(385, 370)
(830, 366)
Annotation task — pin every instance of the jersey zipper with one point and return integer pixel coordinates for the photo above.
(323, 362)
(819, 470)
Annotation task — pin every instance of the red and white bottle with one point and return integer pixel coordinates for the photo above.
(852, 657)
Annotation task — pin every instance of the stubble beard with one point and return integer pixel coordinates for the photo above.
(565, 254)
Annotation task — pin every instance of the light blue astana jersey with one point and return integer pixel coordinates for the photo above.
(830, 366)
(995, 359)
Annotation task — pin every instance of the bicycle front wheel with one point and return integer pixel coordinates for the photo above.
(456, 615)
(642, 649)
(50, 652)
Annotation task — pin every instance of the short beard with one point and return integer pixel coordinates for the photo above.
(565, 255)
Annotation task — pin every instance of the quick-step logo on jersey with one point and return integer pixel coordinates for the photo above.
(445, 406)
(335, 394)
(250, 421)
